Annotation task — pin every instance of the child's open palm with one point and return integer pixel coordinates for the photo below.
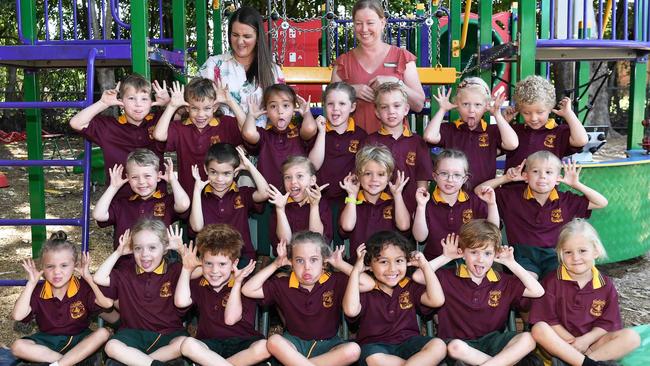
(564, 108)
(241, 274)
(170, 175)
(245, 163)
(84, 269)
(178, 95)
(124, 241)
(400, 182)
(450, 246)
(276, 197)
(109, 97)
(254, 108)
(495, 108)
(161, 94)
(189, 257)
(282, 259)
(359, 265)
(571, 175)
(198, 182)
(117, 176)
(443, 99)
(314, 194)
(505, 255)
(303, 105)
(175, 237)
(33, 273)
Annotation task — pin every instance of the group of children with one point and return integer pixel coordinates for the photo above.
(326, 180)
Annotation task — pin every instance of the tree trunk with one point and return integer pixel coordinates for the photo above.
(105, 76)
(599, 114)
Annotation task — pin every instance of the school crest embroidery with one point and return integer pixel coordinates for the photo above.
(483, 140)
(468, 215)
(238, 203)
(354, 146)
(159, 209)
(549, 141)
(150, 130)
(224, 301)
(77, 310)
(328, 299)
(556, 215)
(410, 158)
(215, 139)
(597, 307)
(166, 289)
(293, 132)
(405, 300)
(493, 298)
(388, 213)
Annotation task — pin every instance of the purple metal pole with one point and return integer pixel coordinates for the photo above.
(46, 14)
(636, 25)
(585, 21)
(60, 20)
(102, 11)
(85, 202)
(116, 16)
(625, 30)
(13, 282)
(600, 19)
(41, 162)
(41, 222)
(90, 12)
(160, 18)
(74, 19)
(613, 20)
(552, 22)
(20, 105)
(569, 23)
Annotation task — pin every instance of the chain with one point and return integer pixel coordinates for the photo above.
(501, 51)
(174, 68)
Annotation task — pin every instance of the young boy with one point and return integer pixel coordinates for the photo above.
(533, 214)
(219, 200)
(534, 99)
(143, 175)
(192, 137)
(226, 332)
(119, 136)
(389, 333)
(411, 153)
(478, 299)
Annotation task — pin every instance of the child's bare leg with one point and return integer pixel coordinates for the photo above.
(200, 353)
(462, 351)
(119, 351)
(28, 350)
(343, 354)
(170, 351)
(85, 348)
(285, 351)
(384, 359)
(255, 354)
(546, 337)
(431, 354)
(518, 347)
(614, 345)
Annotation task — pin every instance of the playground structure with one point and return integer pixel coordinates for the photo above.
(434, 34)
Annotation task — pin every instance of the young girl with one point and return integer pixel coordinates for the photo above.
(367, 203)
(578, 319)
(451, 206)
(310, 299)
(62, 306)
(151, 329)
(301, 207)
(280, 138)
(479, 140)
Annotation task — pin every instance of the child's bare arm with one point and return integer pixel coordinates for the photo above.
(317, 153)
(254, 287)
(512, 175)
(249, 131)
(487, 195)
(314, 195)
(420, 228)
(196, 213)
(261, 193)
(234, 308)
(433, 297)
(578, 137)
(183, 294)
(22, 308)
(181, 199)
(224, 97)
(109, 98)
(100, 212)
(160, 132)
(505, 256)
(103, 275)
(509, 139)
(309, 126)
(571, 178)
(84, 271)
(348, 219)
(402, 215)
(432, 132)
(279, 200)
(352, 297)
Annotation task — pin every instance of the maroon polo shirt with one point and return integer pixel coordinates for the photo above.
(68, 316)
(340, 151)
(147, 298)
(551, 137)
(528, 223)
(232, 209)
(118, 139)
(298, 217)
(371, 218)
(274, 147)
(443, 219)
(480, 145)
(192, 145)
(412, 156)
(392, 318)
(471, 311)
(124, 212)
(308, 315)
(579, 310)
(212, 306)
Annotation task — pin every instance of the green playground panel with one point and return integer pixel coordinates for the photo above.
(641, 355)
(97, 174)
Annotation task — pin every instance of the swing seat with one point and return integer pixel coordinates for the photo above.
(322, 75)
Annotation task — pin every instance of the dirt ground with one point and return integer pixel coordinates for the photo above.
(63, 200)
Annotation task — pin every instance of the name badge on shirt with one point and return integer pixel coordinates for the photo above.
(390, 64)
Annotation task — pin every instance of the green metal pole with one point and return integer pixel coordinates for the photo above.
(527, 38)
(217, 44)
(514, 75)
(139, 38)
(34, 143)
(636, 113)
(582, 72)
(434, 36)
(455, 22)
(201, 31)
(485, 35)
(179, 32)
(324, 35)
(544, 31)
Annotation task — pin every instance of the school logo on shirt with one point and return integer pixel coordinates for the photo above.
(354, 146)
(468, 215)
(238, 203)
(388, 213)
(556, 215)
(150, 130)
(159, 209)
(597, 307)
(410, 158)
(215, 139)
(328, 299)
(224, 301)
(293, 132)
(405, 300)
(77, 310)
(166, 289)
(549, 141)
(493, 298)
(483, 140)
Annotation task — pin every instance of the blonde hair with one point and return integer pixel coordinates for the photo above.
(579, 226)
(143, 157)
(543, 155)
(474, 85)
(479, 233)
(298, 160)
(157, 227)
(380, 154)
(534, 89)
(389, 87)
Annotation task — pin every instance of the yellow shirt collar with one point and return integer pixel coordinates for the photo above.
(213, 122)
(596, 282)
(406, 132)
(382, 196)
(550, 124)
(233, 187)
(459, 123)
(350, 128)
(294, 283)
(401, 283)
(205, 282)
(528, 194)
(123, 120)
(156, 194)
(463, 272)
(437, 198)
(73, 287)
(161, 269)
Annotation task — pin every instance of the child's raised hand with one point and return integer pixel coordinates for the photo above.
(170, 175)
(359, 265)
(245, 163)
(364, 92)
(571, 175)
(276, 197)
(124, 241)
(320, 123)
(505, 255)
(564, 107)
(400, 182)
(443, 99)
(222, 93)
(514, 174)
(418, 259)
(109, 97)
(84, 269)
(240, 274)
(495, 108)
(314, 193)
(351, 185)
(450, 246)
(178, 96)
(336, 259)
(198, 182)
(254, 108)
(422, 196)
(303, 105)
(282, 259)
(175, 237)
(117, 173)
(487, 195)
(509, 113)
(189, 257)
(161, 94)
(33, 274)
